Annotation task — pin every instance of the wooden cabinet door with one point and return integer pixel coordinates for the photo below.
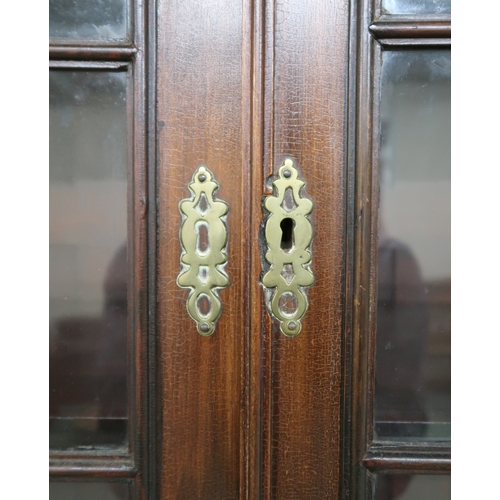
(248, 412)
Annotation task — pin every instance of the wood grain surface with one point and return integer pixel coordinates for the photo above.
(309, 124)
(248, 413)
(202, 119)
(220, 392)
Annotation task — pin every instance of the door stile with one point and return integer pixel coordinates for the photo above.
(306, 80)
(203, 71)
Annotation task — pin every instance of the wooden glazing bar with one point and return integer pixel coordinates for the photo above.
(91, 467)
(90, 53)
(416, 465)
(427, 458)
(415, 42)
(410, 29)
(88, 65)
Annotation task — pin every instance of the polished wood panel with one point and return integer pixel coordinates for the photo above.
(203, 83)
(309, 123)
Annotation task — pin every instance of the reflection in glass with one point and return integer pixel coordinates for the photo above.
(411, 487)
(88, 259)
(412, 395)
(416, 6)
(88, 491)
(93, 19)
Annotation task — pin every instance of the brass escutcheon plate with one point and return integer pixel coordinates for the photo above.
(288, 234)
(203, 237)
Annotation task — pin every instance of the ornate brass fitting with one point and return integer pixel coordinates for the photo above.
(203, 237)
(288, 234)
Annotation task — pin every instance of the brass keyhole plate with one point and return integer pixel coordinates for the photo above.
(203, 238)
(288, 234)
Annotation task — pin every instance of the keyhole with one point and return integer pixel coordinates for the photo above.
(287, 225)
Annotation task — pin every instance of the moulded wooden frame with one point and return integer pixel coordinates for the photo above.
(363, 457)
(129, 56)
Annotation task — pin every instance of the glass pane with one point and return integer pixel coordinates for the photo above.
(88, 258)
(408, 487)
(95, 19)
(88, 491)
(412, 397)
(416, 6)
